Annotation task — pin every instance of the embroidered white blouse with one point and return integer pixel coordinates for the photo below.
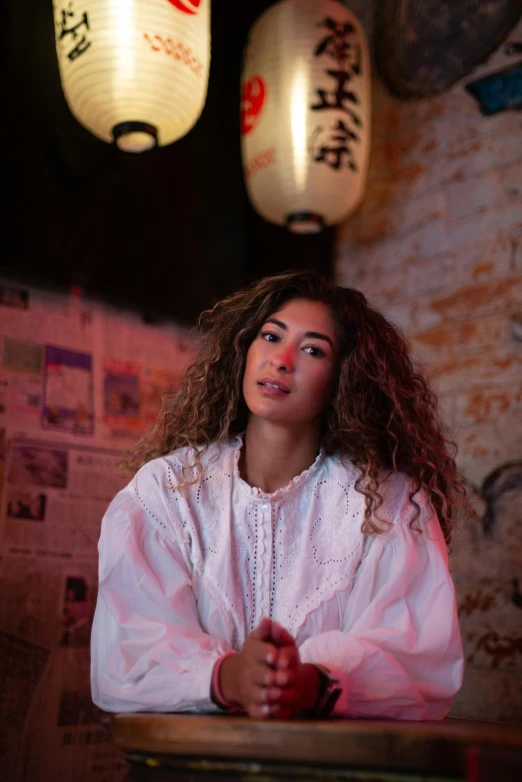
(184, 579)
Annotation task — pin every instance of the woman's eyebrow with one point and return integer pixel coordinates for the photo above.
(318, 335)
(312, 334)
(277, 323)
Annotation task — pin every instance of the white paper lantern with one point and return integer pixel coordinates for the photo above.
(134, 71)
(305, 114)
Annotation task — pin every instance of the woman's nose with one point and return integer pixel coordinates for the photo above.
(284, 360)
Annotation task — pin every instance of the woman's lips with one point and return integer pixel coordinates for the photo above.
(273, 387)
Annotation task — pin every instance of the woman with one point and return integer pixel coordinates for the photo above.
(282, 547)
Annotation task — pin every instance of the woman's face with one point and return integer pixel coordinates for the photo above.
(291, 366)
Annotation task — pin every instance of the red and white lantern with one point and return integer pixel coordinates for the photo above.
(134, 71)
(305, 114)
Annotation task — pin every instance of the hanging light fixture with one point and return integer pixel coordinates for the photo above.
(305, 114)
(134, 71)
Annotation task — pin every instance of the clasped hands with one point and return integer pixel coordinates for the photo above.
(267, 678)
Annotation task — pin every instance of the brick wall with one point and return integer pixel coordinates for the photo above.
(437, 246)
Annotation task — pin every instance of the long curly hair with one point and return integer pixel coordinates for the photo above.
(383, 417)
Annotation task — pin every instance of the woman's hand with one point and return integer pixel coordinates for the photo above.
(296, 684)
(267, 678)
(247, 678)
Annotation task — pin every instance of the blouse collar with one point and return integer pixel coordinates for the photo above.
(254, 491)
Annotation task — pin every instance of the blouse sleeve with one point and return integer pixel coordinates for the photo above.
(398, 653)
(148, 650)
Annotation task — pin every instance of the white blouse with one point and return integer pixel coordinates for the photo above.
(186, 576)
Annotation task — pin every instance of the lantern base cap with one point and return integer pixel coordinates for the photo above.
(304, 222)
(135, 136)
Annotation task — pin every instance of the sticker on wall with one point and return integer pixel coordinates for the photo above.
(499, 91)
(23, 364)
(122, 395)
(68, 391)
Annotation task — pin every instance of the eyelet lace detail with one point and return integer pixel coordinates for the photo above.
(294, 484)
(255, 554)
(324, 553)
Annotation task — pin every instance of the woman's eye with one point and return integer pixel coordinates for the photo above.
(313, 350)
(269, 336)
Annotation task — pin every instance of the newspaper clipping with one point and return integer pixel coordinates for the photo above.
(79, 383)
(56, 495)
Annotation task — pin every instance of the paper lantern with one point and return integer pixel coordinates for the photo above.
(134, 71)
(305, 114)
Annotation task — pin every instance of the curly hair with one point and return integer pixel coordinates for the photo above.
(383, 417)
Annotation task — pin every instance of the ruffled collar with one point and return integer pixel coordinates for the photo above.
(254, 491)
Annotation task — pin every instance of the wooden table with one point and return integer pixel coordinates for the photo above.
(189, 748)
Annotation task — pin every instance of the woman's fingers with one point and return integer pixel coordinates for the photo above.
(284, 698)
(266, 653)
(273, 702)
(260, 652)
(270, 711)
(288, 657)
(259, 696)
(263, 676)
(284, 678)
(281, 712)
(261, 711)
(271, 662)
(281, 636)
(263, 632)
(264, 687)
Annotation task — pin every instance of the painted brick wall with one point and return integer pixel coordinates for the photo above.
(437, 246)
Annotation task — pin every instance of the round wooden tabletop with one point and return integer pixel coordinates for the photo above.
(381, 744)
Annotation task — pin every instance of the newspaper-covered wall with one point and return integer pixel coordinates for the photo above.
(79, 383)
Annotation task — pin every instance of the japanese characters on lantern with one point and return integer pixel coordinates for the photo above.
(134, 71)
(305, 113)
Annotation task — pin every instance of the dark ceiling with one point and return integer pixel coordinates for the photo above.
(166, 232)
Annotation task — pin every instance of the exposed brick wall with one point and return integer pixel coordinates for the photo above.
(437, 246)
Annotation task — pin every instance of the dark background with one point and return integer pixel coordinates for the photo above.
(165, 232)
